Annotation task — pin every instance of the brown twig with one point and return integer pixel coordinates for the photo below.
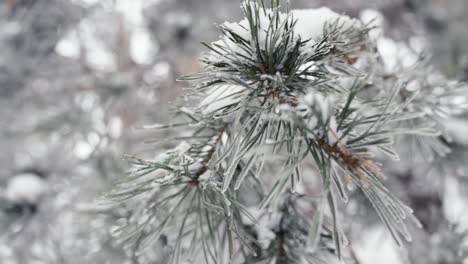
(356, 162)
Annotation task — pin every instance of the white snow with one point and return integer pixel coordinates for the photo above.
(25, 188)
(242, 29)
(311, 22)
(310, 25)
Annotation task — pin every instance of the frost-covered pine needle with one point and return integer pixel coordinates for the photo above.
(279, 91)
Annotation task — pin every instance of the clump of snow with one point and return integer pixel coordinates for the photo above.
(310, 25)
(221, 96)
(242, 29)
(26, 188)
(312, 22)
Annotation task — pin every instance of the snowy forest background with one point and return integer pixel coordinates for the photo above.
(78, 76)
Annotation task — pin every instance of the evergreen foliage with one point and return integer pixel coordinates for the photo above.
(275, 104)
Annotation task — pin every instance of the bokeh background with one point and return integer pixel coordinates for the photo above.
(78, 77)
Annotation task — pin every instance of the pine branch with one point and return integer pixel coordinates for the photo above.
(272, 97)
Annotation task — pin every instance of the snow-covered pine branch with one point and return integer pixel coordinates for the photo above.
(293, 108)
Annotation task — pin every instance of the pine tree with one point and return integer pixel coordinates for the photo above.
(293, 112)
